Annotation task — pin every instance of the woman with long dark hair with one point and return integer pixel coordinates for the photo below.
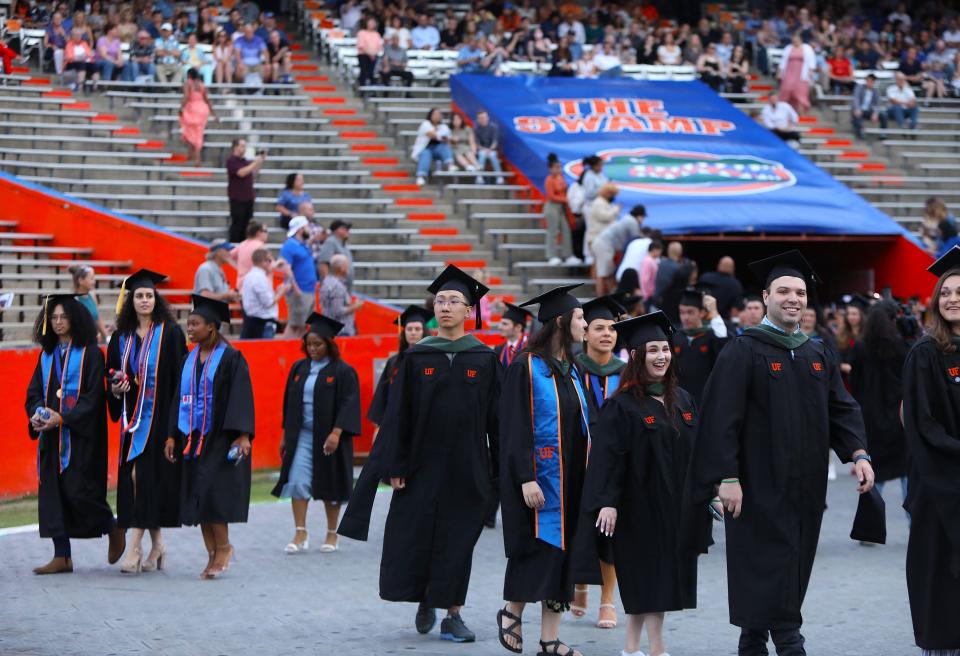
(413, 327)
(639, 455)
(851, 329)
(931, 421)
(543, 457)
(211, 426)
(321, 416)
(143, 363)
(68, 418)
(875, 382)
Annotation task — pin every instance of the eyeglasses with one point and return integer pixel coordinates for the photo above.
(451, 302)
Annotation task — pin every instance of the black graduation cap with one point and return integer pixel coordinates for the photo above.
(517, 314)
(210, 309)
(752, 297)
(646, 328)
(870, 522)
(554, 303)
(413, 314)
(947, 262)
(324, 326)
(604, 307)
(860, 302)
(791, 263)
(454, 279)
(143, 278)
(692, 297)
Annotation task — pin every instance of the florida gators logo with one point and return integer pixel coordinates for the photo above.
(428, 371)
(688, 416)
(776, 366)
(954, 371)
(471, 373)
(546, 452)
(649, 420)
(818, 366)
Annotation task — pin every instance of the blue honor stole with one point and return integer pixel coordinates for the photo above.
(548, 447)
(144, 366)
(68, 368)
(507, 355)
(196, 398)
(602, 389)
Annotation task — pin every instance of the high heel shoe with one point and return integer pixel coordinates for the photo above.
(155, 560)
(297, 547)
(211, 556)
(326, 547)
(215, 570)
(133, 564)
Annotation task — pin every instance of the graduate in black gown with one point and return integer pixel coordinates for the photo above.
(211, 423)
(545, 437)
(321, 416)
(143, 364)
(437, 443)
(68, 419)
(600, 372)
(636, 479)
(413, 328)
(931, 419)
(773, 405)
(851, 329)
(702, 337)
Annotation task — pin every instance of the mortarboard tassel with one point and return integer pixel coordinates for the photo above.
(122, 297)
(46, 301)
(479, 321)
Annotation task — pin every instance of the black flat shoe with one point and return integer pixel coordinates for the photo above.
(426, 619)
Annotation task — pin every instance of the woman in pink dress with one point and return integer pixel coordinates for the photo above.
(195, 110)
(797, 66)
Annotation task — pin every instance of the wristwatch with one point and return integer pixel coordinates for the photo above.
(862, 456)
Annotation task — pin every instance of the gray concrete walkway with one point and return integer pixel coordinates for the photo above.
(272, 603)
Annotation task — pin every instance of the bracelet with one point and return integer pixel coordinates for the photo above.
(862, 456)
(715, 500)
(730, 480)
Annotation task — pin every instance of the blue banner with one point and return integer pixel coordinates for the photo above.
(698, 164)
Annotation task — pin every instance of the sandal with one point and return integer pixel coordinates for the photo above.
(511, 630)
(303, 545)
(554, 646)
(579, 605)
(326, 547)
(610, 621)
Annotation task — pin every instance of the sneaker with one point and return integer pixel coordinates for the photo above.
(471, 167)
(500, 180)
(426, 618)
(451, 167)
(479, 179)
(554, 261)
(452, 628)
(421, 181)
(573, 260)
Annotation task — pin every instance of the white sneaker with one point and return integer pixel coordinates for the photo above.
(573, 260)
(421, 181)
(500, 180)
(633, 653)
(832, 472)
(451, 167)
(554, 261)
(471, 167)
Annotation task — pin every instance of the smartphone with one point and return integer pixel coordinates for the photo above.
(713, 511)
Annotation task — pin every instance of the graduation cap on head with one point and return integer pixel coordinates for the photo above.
(651, 327)
(51, 302)
(413, 314)
(870, 522)
(604, 307)
(792, 263)
(323, 326)
(517, 314)
(457, 280)
(210, 309)
(947, 262)
(554, 303)
(138, 280)
(860, 302)
(692, 297)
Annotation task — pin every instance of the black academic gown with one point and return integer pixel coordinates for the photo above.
(537, 571)
(381, 394)
(73, 503)
(877, 387)
(154, 501)
(769, 416)
(440, 434)
(695, 360)
(638, 464)
(336, 404)
(214, 490)
(931, 417)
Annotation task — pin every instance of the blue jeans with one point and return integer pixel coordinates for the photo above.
(135, 69)
(899, 113)
(903, 487)
(108, 67)
(437, 151)
(484, 156)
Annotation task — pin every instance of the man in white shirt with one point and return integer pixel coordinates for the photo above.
(635, 252)
(259, 300)
(781, 119)
(607, 60)
(902, 102)
(424, 36)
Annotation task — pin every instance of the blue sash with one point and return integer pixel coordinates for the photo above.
(143, 366)
(507, 355)
(196, 405)
(68, 369)
(602, 389)
(548, 447)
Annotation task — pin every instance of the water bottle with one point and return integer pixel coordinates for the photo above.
(42, 413)
(234, 454)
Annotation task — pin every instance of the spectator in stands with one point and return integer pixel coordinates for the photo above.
(955, 80)
(167, 52)
(318, 233)
(840, 69)
(78, 58)
(109, 56)
(612, 240)
(494, 55)
(911, 67)
(669, 53)
(394, 63)
(335, 299)
(692, 50)
(279, 60)
(84, 286)
(241, 174)
(425, 35)
(195, 110)
(608, 60)
(451, 36)
(648, 272)
(737, 71)
(141, 58)
(183, 28)
(463, 144)
(780, 118)
(206, 27)
(80, 23)
(195, 57)
(351, 13)
(866, 106)
(798, 64)
(539, 48)
(268, 26)
(258, 298)
(724, 286)
(574, 29)
(563, 62)
(223, 58)
(290, 198)
(336, 244)
(470, 57)
(600, 213)
(586, 66)
(936, 80)
(902, 102)
(242, 253)
(487, 136)
(301, 296)
(725, 48)
(210, 280)
(234, 24)
(432, 144)
(866, 55)
(398, 28)
(555, 216)
(250, 52)
(369, 45)
(710, 68)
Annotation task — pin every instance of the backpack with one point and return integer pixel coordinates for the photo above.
(575, 198)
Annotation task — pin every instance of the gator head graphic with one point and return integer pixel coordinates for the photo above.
(656, 171)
